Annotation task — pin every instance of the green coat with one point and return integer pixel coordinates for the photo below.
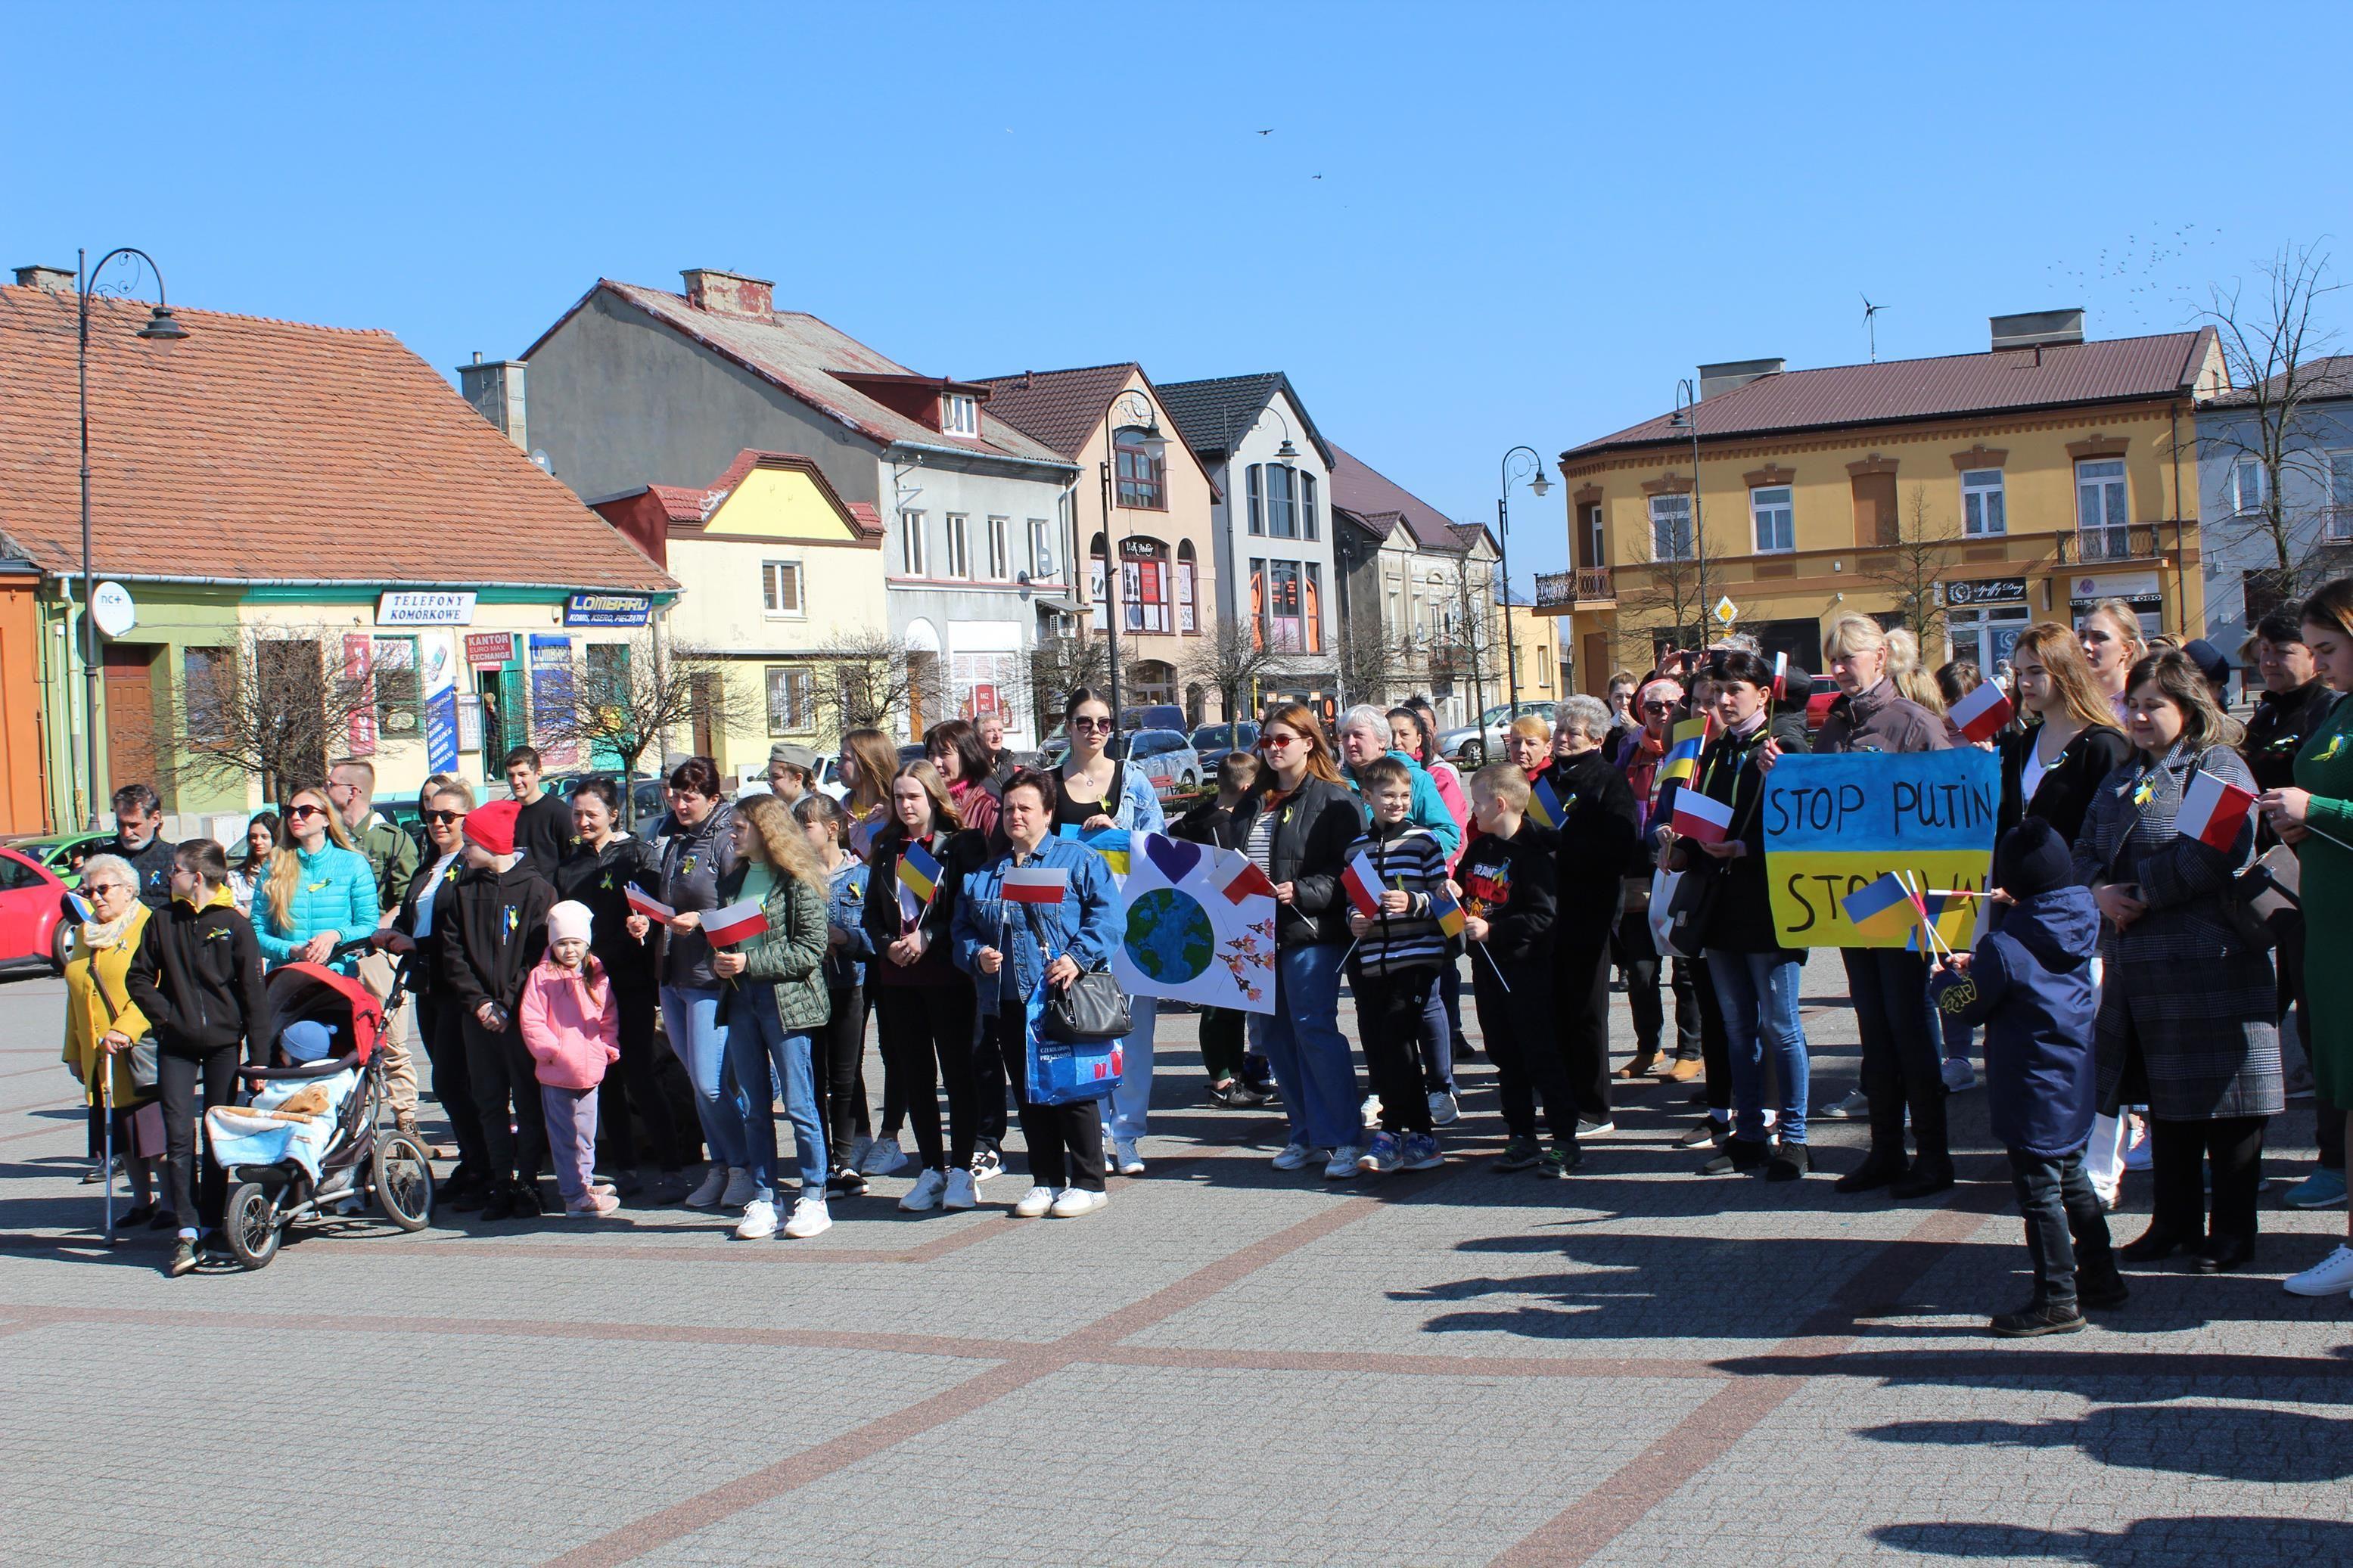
(2325, 767)
(791, 955)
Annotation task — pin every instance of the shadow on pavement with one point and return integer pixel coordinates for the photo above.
(2195, 1542)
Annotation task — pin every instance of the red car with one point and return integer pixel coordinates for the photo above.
(32, 902)
(1818, 702)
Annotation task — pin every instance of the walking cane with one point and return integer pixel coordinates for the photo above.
(106, 1112)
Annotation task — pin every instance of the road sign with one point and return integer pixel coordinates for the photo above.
(1726, 611)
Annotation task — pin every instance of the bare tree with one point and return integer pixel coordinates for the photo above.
(867, 677)
(2279, 361)
(625, 698)
(1056, 666)
(271, 708)
(1911, 567)
(1674, 596)
(1478, 631)
(1231, 658)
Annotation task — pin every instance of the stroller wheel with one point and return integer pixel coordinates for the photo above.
(252, 1221)
(403, 1182)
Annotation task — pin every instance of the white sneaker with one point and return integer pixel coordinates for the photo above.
(741, 1188)
(882, 1157)
(1959, 1076)
(1343, 1163)
(759, 1221)
(1072, 1202)
(929, 1189)
(1294, 1157)
(1853, 1108)
(810, 1218)
(2326, 1278)
(1125, 1158)
(1443, 1110)
(1589, 1129)
(960, 1192)
(1370, 1111)
(706, 1193)
(858, 1148)
(1034, 1204)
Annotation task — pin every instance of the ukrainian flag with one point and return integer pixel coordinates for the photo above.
(1113, 843)
(1870, 907)
(1544, 805)
(1683, 757)
(920, 870)
(1449, 912)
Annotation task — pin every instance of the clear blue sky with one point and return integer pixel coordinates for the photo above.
(1531, 220)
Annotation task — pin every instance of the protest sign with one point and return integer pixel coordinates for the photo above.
(1195, 923)
(1835, 825)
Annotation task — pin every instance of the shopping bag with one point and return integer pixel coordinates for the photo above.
(1064, 1072)
(1661, 911)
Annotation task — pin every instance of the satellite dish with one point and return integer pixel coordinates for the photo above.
(110, 606)
(546, 465)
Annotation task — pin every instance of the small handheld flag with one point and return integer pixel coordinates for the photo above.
(1035, 884)
(646, 904)
(1239, 877)
(1697, 816)
(918, 869)
(1691, 738)
(1115, 845)
(2213, 811)
(1449, 912)
(1543, 804)
(1867, 906)
(1363, 885)
(1981, 714)
(735, 923)
(1781, 675)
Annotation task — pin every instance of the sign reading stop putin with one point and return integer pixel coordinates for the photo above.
(1835, 825)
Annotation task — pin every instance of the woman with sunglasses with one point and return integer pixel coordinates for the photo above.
(320, 890)
(416, 933)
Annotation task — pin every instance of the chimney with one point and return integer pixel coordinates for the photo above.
(496, 391)
(2037, 328)
(1715, 379)
(729, 293)
(55, 280)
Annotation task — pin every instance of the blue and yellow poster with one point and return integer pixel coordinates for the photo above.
(1833, 825)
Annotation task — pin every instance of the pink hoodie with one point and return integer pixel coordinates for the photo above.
(570, 1025)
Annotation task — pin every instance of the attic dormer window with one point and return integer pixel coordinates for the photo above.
(959, 414)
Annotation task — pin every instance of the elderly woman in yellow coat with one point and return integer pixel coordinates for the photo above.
(102, 1024)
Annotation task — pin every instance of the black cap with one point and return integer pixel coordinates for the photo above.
(2031, 860)
(2209, 659)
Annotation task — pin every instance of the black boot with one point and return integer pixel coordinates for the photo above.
(2220, 1254)
(2098, 1285)
(1876, 1171)
(1737, 1154)
(1926, 1177)
(1791, 1162)
(2156, 1244)
(2037, 1317)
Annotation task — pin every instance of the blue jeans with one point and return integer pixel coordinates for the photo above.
(1759, 995)
(1131, 1101)
(764, 1056)
(691, 1018)
(1301, 1040)
(1437, 1036)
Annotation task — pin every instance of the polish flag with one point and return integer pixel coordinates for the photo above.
(1780, 675)
(1239, 877)
(1363, 886)
(1697, 816)
(1035, 884)
(646, 904)
(2213, 812)
(735, 923)
(1981, 714)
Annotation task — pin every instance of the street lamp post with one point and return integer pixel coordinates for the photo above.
(1686, 417)
(1113, 564)
(160, 328)
(1538, 483)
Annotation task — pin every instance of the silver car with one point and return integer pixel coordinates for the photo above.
(1471, 745)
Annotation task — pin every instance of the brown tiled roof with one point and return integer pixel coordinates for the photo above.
(1212, 412)
(262, 450)
(805, 357)
(1062, 409)
(1359, 487)
(2109, 371)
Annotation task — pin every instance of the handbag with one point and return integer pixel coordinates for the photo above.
(1091, 1007)
(144, 1073)
(2265, 902)
(1689, 908)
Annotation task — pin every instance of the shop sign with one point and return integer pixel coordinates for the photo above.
(607, 609)
(2137, 589)
(410, 607)
(1985, 591)
(489, 650)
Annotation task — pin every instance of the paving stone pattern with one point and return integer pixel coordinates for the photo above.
(1227, 1365)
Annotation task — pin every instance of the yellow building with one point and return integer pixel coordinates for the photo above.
(1534, 644)
(780, 580)
(1970, 495)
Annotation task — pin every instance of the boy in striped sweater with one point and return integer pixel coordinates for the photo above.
(1399, 952)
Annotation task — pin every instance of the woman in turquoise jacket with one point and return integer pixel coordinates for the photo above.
(319, 891)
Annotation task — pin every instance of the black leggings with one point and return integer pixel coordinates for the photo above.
(196, 1196)
(502, 1069)
(922, 1026)
(1581, 987)
(2235, 1146)
(442, 1030)
(635, 1088)
(840, 1074)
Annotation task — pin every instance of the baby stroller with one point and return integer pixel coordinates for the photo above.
(310, 1144)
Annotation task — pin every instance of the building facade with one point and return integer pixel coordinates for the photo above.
(635, 386)
(2275, 476)
(1418, 606)
(1969, 495)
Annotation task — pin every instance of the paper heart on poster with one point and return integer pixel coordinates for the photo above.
(1174, 856)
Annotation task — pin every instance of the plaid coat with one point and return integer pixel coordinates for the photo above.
(2189, 1012)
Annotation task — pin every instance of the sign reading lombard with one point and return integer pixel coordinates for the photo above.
(425, 607)
(607, 609)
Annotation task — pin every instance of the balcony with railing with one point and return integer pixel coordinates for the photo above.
(2108, 544)
(1580, 587)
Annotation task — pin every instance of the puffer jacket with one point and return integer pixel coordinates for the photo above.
(789, 956)
(692, 861)
(335, 894)
(1314, 826)
(2030, 984)
(197, 974)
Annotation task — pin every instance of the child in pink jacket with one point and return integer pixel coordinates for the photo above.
(572, 1028)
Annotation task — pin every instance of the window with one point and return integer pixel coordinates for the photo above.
(1187, 570)
(1671, 530)
(1282, 508)
(1143, 586)
(780, 588)
(1592, 541)
(1285, 625)
(1000, 553)
(1257, 501)
(1041, 551)
(910, 542)
(1307, 502)
(2246, 486)
(959, 544)
(2100, 515)
(959, 415)
(399, 696)
(1776, 521)
(2340, 494)
(211, 677)
(1142, 478)
(1981, 501)
(792, 699)
(1315, 611)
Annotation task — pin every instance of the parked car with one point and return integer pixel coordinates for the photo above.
(1167, 759)
(1471, 745)
(1152, 716)
(1818, 700)
(32, 906)
(1212, 741)
(649, 798)
(61, 853)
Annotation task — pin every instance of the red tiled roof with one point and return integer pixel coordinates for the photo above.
(262, 449)
(683, 503)
(1063, 408)
(1359, 487)
(808, 357)
(2114, 370)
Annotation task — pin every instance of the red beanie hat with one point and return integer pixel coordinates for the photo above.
(493, 826)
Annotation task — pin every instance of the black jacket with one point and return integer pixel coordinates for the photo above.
(600, 878)
(2277, 731)
(1207, 823)
(425, 965)
(2067, 787)
(1601, 834)
(543, 832)
(959, 853)
(1742, 919)
(1314, 826)
(497, 931)
(198, 976)
(1513, 885)
(153, 865)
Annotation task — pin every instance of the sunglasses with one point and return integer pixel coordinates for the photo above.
(1089, 724)
(1278, 742)
(1658, 706)
(444, 818)
(298, 813)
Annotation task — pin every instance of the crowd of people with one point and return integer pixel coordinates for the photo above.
(2129, 1001)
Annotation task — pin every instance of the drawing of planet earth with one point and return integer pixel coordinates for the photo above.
(1170, 937)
